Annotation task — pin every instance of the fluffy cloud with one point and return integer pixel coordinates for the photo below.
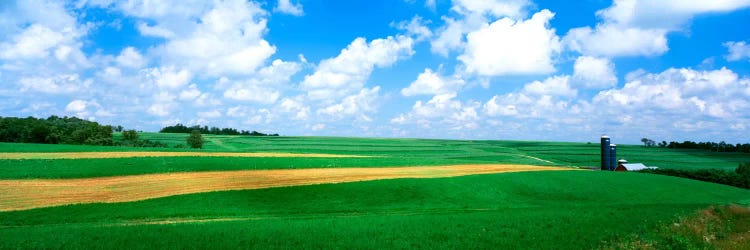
(612, 41)
(348, 72)
(157, 9)
(717, 93)
(34, 42)
(737, 50)
(495, 8)
(592, 72)
(287, 7)
(672, 96)
(31, 38)
(472, 16)
(431, 83)
(442, 109)
(553, 86)
(60, 84)
(639, 27)
(163, 104)
(130, 57)
(76, 106)
(451, 36)
(300, 111)
(545, 100)
(507, 47)
(357, 105)
(415, 28)
(227, 41)
(252, 94)
(169, 77)
(191, 93)
(665, 14)
(215, 38)
(84, 109)
(263, 87)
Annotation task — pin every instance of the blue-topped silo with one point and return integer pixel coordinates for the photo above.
(605, 152)
(612, 157)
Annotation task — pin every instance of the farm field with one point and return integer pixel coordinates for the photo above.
(367, 193)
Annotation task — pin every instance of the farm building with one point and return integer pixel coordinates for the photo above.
(625, 166)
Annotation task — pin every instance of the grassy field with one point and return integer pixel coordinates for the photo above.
(539, 210)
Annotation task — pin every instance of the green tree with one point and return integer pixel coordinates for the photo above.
(743, 170)
(648, 142)
(195, 140)
(130, 135)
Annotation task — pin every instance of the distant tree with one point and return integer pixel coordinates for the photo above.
(195, 140)
(117, 128)
(648, 142)
(663, 144)
(130, 135)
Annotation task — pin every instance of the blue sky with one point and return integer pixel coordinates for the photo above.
(495, 69)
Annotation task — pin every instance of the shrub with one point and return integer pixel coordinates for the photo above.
(743, 170)
(130, 135)
(195, 140)
(709, 175)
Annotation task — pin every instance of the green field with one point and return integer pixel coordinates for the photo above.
(531, 210)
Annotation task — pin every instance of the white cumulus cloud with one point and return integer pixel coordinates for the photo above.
(130, 57)
(613, 41)
(640, 27)
(169, 77)
(225, 38)
(287, 7)
(357, 105)
(508, 47)
(592, 72)
(553, 86)
(76, 106)
(431, 83)
(495, 8)
(737, 50)
(348, 72)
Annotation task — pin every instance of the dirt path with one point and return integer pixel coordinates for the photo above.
(101, 155)
(35, 193)
(218, 142)
(536, 158)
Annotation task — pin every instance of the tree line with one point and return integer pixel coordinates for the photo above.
(54, 130)
(179, 128)
(710, 146)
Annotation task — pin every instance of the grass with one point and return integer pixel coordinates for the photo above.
(534, 209)
(537, 210)
(716, 227)
(391, 152)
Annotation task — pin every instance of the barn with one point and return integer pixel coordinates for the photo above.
(631, 167)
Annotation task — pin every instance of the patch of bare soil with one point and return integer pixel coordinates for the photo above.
(35, 193)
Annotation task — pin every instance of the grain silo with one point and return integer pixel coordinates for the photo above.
(605, 152)
(612, 157)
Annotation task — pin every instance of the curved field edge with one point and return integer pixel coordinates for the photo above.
(34, 193)
(87, 168)
(556, 209)
(142, 154)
